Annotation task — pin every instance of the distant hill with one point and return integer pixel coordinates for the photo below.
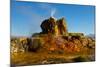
(91, 36)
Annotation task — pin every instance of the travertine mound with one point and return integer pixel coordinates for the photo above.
(53, 38)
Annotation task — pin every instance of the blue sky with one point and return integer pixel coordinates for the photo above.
(26, 17)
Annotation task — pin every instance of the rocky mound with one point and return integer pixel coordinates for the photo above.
(53, 38)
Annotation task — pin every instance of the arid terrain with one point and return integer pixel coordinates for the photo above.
(52, 46)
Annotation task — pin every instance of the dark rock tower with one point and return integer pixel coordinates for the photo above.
(53, 26)
(48, 26)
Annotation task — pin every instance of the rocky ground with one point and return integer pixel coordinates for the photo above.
(30, 58)
(51, 50)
